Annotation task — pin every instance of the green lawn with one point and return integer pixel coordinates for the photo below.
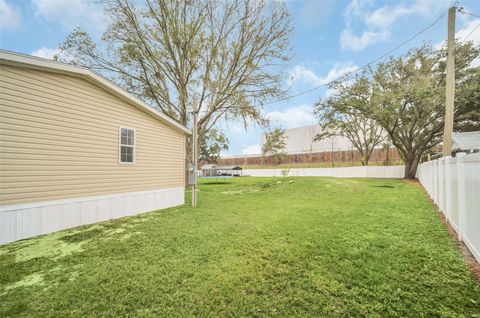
(284, 247)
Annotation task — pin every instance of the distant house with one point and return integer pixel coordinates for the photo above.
(76, 149)
(209, 170)
(466, 141)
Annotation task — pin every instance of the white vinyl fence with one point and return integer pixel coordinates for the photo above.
(341, 172)
(454, 186)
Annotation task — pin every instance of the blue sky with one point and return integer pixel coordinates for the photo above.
(329, 39)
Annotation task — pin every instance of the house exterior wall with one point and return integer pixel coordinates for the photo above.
(59, 140)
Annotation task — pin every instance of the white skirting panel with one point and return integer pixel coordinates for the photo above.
(26, 220)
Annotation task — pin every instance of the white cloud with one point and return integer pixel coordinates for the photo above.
(468, 30)
(293, 117)
(348, 40)
(378, 21)
(301, 74)
(71, 13)
(475, 63)
(388, 15)
(46, 53)
(10, 16)
(473, 35)
(252, 150)
(354, 10)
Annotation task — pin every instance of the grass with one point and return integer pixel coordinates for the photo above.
(284, 247)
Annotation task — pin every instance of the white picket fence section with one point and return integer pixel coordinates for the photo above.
(454, 185)
(341, 172)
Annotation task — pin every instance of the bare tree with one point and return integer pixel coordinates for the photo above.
(212, 144)
(336, 117)
(229, 55)
(310, 135)
(274, 144)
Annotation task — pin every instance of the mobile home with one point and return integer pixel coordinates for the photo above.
(76, 149)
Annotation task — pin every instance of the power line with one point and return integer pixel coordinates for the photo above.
(364, 66)
(462, 10)
(478, 25)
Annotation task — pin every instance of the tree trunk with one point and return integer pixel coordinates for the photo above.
(411, 165)
(364, 160)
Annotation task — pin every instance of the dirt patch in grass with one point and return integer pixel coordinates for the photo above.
(261, 187)
(50, 246)
(82, 235)
(27, 281)
(384, 186)
(233, 192)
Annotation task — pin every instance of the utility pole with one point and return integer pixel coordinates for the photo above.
(194, 152)
(450, 84)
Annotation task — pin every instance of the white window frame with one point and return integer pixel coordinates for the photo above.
(120, 145)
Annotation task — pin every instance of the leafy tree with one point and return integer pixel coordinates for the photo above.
(228, 55)
(407, 98)
(337, 117)
(467, 98)
(212, 144)
(274, 144)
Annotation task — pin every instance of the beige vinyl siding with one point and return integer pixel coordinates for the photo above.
(59, 139)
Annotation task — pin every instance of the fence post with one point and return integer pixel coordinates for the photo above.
(435, 181)
(442, 185)
(432, 179)
(439, 183)
(448, 189)
(430, 182)
(427, 174)
(461, 180)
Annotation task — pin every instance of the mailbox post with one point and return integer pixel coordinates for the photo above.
(192, 181)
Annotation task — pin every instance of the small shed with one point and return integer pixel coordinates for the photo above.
(466, 141)
(209, 170)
